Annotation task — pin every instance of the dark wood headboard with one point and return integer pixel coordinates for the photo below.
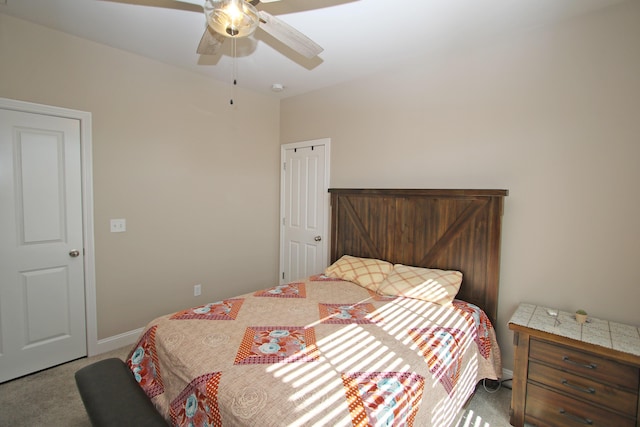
(445, 229)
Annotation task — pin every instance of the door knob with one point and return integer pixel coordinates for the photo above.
(317, 238)
(74, 253)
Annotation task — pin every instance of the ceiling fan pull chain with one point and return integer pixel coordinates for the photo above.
(234, 70)
(233, 91)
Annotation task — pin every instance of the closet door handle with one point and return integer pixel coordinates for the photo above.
(74, 253)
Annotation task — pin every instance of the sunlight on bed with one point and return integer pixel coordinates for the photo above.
(319, 396)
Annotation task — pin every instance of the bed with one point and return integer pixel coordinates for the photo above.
(350, 346)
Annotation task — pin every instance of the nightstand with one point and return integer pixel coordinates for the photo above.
(567, 374)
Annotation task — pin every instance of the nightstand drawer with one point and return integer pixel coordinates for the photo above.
(584, 364)
(559, 410)
(585, 388)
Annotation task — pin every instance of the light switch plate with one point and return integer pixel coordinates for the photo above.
(118, 225)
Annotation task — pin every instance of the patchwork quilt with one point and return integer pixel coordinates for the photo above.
(319, 352)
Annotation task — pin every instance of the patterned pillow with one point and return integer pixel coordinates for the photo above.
(438, 286)
(366, 272)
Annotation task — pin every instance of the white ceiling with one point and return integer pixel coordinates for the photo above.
(360, 37)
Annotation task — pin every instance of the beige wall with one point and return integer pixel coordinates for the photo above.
(552, 115)
(198, 186)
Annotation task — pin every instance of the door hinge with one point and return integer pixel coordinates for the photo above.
(283, 275)
(284, 166)
(284, 221)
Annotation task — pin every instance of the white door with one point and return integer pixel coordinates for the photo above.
(42, 295)
(304, 207)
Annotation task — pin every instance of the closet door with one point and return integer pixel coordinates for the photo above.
(304, 206)
(42, 292)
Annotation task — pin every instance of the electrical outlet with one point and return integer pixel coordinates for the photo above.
(197, 290)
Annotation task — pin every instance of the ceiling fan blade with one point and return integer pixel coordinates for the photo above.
(210, 42)
(196, 2)
(257, 2)
(288, 35)
(166, 4)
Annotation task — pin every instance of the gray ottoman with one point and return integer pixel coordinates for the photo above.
(113, 398)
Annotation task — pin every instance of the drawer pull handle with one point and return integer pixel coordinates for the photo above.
(582, 365)
(589, 390)
(569, 415)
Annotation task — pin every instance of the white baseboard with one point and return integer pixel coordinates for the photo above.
(507, 374)
(117, 341)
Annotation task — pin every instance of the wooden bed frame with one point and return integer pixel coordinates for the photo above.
(445, 229)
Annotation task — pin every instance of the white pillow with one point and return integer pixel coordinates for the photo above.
(438, 286)
(366, 272)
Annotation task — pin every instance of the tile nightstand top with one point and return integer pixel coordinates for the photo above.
(612, 335)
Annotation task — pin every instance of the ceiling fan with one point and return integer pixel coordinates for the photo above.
(240, 18)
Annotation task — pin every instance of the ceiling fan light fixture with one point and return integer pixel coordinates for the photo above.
(231, 18)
